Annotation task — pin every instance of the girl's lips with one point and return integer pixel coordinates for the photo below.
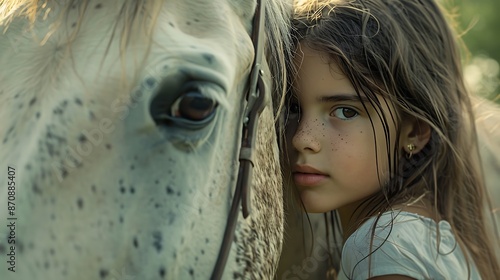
(308, 179)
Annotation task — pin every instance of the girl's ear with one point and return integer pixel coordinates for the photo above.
(415, 134)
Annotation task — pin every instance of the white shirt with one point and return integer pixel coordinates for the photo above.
(408, 247)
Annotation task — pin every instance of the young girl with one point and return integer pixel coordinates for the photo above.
(380, 128)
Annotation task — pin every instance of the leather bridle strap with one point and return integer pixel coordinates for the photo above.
(255, 104)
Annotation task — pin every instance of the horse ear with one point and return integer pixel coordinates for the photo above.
(415, 134)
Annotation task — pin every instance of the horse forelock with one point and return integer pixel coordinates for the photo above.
(278, 15)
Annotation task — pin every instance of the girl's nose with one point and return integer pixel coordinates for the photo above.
(305, 138)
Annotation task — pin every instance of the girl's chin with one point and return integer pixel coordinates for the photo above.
(315, 203)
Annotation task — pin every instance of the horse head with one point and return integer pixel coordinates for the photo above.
(123, 123)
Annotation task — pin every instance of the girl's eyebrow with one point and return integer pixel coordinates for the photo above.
(342, 97)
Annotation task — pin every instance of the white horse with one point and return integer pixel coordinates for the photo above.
(121, 123)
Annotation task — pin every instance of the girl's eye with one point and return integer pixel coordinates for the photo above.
(344, 113)
(293, 110)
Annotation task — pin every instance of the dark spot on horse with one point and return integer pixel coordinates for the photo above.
(157, 241)
(64, 103)
(208, 57)
(150, 82)
(120, 219)
(182, 240)
(46, 265)
(20, 106)
(191, 271)
(93, 188)
(171, 24)
(37, 115)
(188, 23)
(82, 138)
(175, 255)
(169, 190)
(52, 216)
(11, 128)
(52, 251)
(73, 24)
(122, 189)
(132, 190)
(202, 252)
(178, 193)
(103, 273)
(207, 240)
(50, 149)
(32, 101)
(162, 272)
(36, 189)
(79, 203)
(157, 205)
(196, 20)
(199, 210)
(78, 101)
(157, 181)
(64, 172)
(91, 116)
(16, 96)
(135, 242)
(98, 6)
(132, 167)
(108, 146)
(57, 111)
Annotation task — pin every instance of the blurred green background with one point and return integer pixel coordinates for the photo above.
(479, 21)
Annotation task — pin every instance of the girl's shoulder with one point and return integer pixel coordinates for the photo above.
(391, 223)
(404, 243)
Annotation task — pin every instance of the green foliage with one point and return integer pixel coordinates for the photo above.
(478, 23)
(483, 37)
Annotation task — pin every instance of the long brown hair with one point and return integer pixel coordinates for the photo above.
(407, 52)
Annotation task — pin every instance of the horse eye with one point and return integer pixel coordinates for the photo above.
(193, 106)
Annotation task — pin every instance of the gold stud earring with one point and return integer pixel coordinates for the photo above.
(411, 147)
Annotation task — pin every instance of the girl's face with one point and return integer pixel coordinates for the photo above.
(337, 155)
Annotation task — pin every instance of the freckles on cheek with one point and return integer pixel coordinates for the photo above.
(340, 143)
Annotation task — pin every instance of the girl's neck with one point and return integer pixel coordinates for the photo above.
(351, 217)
